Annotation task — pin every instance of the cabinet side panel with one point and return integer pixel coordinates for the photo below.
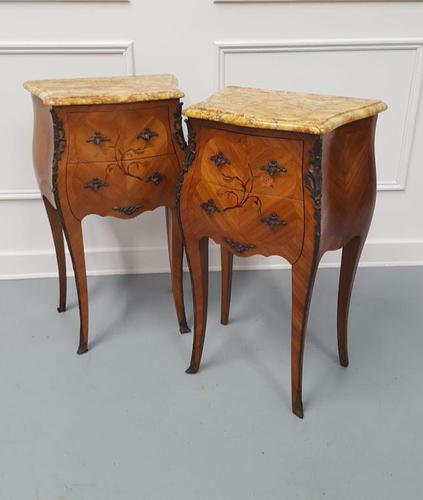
(42, 148)
(348, 182)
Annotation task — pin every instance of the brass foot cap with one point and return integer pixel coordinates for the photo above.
(297, 409)
(184, 329)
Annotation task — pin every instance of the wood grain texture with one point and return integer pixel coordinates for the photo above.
(226, 259)
(114, 160)
(232, 197)
(349, 191)
(332, 209)
(43, 148)
(122, 134)
(59, 245)
(176, 254)
(198, 259)
(99, 188)
(305, 268)
(268, 166)
(350, 258)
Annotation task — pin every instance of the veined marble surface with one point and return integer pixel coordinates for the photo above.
(279, 110)
(106, 90)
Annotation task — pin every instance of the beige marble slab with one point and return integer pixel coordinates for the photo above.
(106, 90)
(279, 110)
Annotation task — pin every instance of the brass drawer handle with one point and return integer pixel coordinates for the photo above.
(273, 168)
(95, 184)
(97, 138)
(273, 220)
(147, 134)
(210, 207)
(220, 159)
(239, 247)
(156, 178)
(128, 210)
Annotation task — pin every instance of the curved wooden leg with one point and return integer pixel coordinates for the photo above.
(303, 276)
(197, 253)
(350, 258)
(226, 259)
(59, 245)
(176, 254)
(73, 232)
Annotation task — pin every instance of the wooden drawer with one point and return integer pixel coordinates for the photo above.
(255, 164)
(121, 189)
(122, 134)
(256, 224)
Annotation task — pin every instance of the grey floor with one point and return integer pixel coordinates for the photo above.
(124, 422)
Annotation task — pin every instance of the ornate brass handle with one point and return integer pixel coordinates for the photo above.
(128, 210)
(97, 138)
(155, 178)
(239, 247)
(210, 207)
(95, 184)
(273, 168)
(273, 220)
(220, 159)
(147, 134)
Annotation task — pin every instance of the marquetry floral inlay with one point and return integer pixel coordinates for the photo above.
(128, 165)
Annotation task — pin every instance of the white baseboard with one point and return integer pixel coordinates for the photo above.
(109, 261)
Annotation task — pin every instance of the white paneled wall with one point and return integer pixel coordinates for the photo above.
(298, 66)
(34, 60)
(359, 49)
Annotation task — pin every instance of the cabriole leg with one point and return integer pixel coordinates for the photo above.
(176, 253)
(59, 245)
(303, 277)
(350, 258)
(226, 259)
(73, 233)
(197, 252)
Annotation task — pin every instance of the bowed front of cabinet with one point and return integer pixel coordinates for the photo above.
(278, 173)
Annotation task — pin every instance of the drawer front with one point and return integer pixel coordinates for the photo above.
(123, 135)
(255, 224)
(255, 164)
(122, 189)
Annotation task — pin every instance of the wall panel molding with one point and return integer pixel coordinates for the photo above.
(19, 194)
(80, 1)
(299, 1)
(146, 260)
(120, 48)
(359, 44)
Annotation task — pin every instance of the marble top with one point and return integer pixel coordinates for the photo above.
(280, 110)
(107, 90)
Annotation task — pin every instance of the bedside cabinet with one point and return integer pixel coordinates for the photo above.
(110, 147)
(278, 173)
